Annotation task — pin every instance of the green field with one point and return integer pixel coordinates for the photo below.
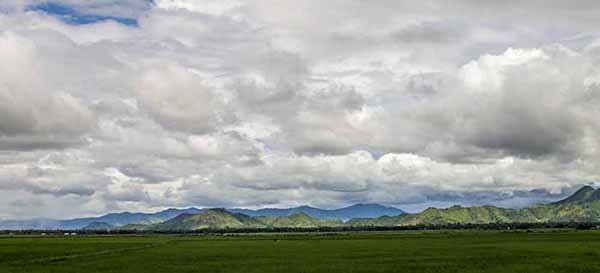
(441, 251)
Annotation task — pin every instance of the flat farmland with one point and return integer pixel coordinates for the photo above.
(441, 251)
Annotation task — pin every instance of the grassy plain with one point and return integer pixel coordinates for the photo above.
(441, 251)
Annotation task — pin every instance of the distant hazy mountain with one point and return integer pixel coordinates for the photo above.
(30, 224)
(98, 226)
(354, 211)
(144, 219)
(124, 218)
(113, 219)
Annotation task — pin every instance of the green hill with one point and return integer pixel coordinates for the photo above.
(452, 215)
(298, 220)
(582, 206)
(209, 219)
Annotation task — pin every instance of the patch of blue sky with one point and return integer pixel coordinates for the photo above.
(72, 16)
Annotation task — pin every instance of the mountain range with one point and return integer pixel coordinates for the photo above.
(354, 211)
(226, 219)
(116, 220)
(581, 206)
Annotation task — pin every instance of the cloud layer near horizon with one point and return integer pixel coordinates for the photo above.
(280, 103)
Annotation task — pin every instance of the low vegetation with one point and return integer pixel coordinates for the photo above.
(440, 251)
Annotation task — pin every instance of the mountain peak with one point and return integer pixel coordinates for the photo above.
(219, 210)
(585, 194)
(209, 218)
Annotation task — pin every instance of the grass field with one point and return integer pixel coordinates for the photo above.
(452, 251)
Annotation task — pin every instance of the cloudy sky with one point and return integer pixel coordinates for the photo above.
(115, 105)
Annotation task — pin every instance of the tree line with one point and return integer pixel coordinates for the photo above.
(450, 226)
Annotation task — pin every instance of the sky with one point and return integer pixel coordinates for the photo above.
(142, 105)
